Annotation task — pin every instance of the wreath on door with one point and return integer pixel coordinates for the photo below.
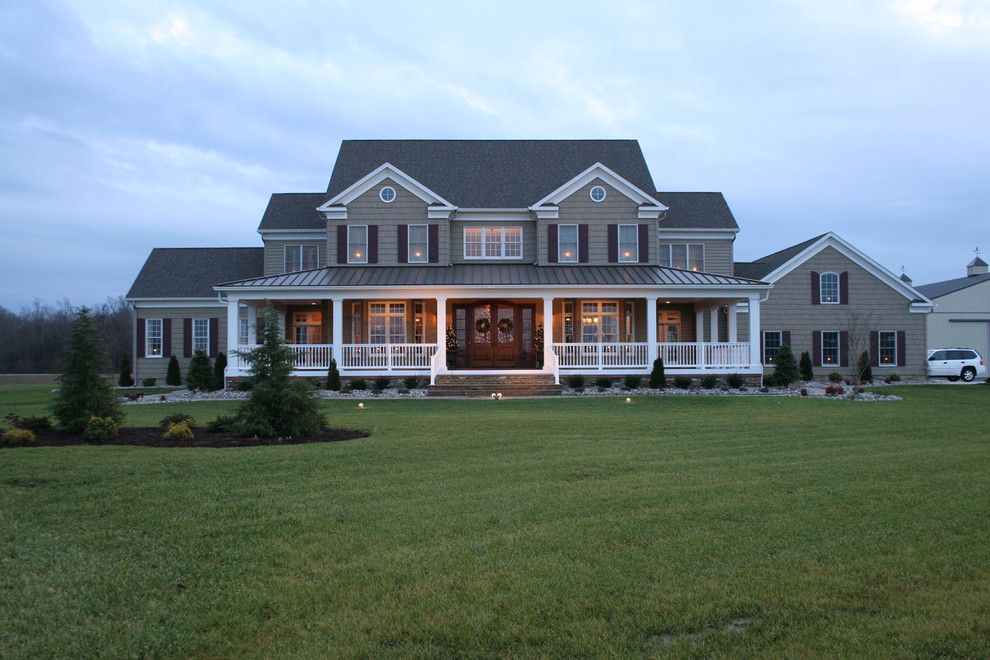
(483, 325)
(505, 325)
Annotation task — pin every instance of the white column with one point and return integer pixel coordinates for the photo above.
(755, 359)
(651, 328)
(442, 334)
(548, 335)
(337, 328)
(699, 336)
(733, 323)
(713, 316)
(233, 313)
(252, 320)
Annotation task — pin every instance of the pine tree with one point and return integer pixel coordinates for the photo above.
(83, 392)
(865, 368)
(786, 370)
(333, 377)
(807, 373)
(200, 374)
(172, 376)
(219, 367)
(126, 378)
(658, 380)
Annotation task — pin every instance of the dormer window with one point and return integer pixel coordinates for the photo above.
(597, 194)
(387, 194)
(829, 289)
(301, 257)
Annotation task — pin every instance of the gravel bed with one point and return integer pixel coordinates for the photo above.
(815, 391)
(179, 396)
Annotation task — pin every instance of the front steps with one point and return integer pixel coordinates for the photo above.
(484, 386)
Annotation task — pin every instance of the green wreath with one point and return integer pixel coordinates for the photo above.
(483, 325)
(505, 326)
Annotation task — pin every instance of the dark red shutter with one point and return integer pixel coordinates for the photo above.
(141, 347)
(166, 337)
(844, 288)
(816, 297)
(552, 244)
(186, 337)
(403, 244)
(875, 348)
(341, 244)
(433, 249)
(644, 243)
(215, 337)
(844, 348)
(901, 348)
(785, 338)
(613, 244)
(583, 243)
(816, 348)
(372, 244)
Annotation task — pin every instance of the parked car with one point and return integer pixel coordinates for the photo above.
(956, 363)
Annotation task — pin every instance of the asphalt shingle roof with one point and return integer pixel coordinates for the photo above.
(760, 268)
(937, 289)
(696, 210)
(192, 272)
(294, 211)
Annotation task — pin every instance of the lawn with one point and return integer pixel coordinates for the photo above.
(526, 527)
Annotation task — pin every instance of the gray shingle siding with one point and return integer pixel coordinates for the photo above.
(275, 254)
(157, 367)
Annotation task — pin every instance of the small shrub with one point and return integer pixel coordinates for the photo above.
(865, 367)
(100, 429)
(411, 382)
(632, 382)
(575, 382)
(835, 390)
(403, 391)
(771, 380)
(245, 385)
(709, 382)
(381, 383)
(126, 379)
(860, 390)
(807, 372)
(200, 374)
(172, 375)
(848, 381)
(149, 382)
(835, 377)
(682, 382)
(804, 391)
(785, 370)
(658, 379)
(178, 432)
(219, 367)
(333, 377)
(894, 378)
(359, 384)
(18, 437)
(35, 424)
(223, 424)
(603, 383)
(735, 381)
(765, 390)
(134, 396)
(177, 418)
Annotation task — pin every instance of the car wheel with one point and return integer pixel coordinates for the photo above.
(953, 379)
(968, 374)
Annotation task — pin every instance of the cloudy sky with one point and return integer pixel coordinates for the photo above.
(125, 126)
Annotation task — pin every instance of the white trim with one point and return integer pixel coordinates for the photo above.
(696, 234)
(599, 171)
(495, 216)
(409, 255)
(161, 303)
(591, 194)
(376, 176)
(367, 248)
(518, 290)
(618, 245)
(577, 244)
(292, 235)
(381, 194)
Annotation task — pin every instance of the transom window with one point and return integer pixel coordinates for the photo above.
(153, 338)
(301, 257)
(201, 335)
(387, 194)
(628, 243)
(490, 242)
(419, 244)
(387, 322)
(357, 244)
(683, 256)
(600, 322)
(828, 290)
(830, 347)
(597, 194)
(567, 243)
(888, 349)
(772, 341)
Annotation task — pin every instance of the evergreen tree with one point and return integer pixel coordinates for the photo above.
(785, 370)
(126, 378)
(219, 367)
(83, 392)
(200, 374)
(333, 377)
(278, 406)
(807, 373)
(173, 376)
(658, 379)
(865, 367)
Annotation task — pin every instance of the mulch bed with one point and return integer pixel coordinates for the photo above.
(152, 437)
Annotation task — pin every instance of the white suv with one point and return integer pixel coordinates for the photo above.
(956, 363)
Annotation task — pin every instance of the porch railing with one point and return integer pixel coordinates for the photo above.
(603, 356)
(699, 355)
(387, 356)
(306, 356)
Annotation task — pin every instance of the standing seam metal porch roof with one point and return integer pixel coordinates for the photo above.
(492, 275)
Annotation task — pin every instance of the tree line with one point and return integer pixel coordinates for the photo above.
(35, 340)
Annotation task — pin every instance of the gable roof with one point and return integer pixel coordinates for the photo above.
(192, 272)
(606, 174)
(977, 261)
(294, 211)
(489, 173)
(939, 289)
(696, 210)
(763, 266)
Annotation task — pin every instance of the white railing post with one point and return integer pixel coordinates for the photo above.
(438, 365)
(233, 314)
(651, 328)
(548, 361)
(755, 359)
(336, 328)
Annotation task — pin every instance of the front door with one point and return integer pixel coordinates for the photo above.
(500, 336)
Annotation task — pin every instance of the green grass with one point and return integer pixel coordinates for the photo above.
(529, 527)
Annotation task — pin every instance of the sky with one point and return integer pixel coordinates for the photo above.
(131, 125)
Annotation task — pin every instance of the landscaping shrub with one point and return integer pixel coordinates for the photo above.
(134, 396)
(804, 391)
(658, 380)
(632, 382)
(411, 382)
(834, 390)
(100, 429)
(358, 384)
(36, 424)
(18, 437)
(764, 390)
(807, 372)
(83, 392)
(682, 382)
(835, 377)
(178, 432)
(219, 367)
(177, 418)
(223, 424)
(126, 379)
(575, 382)
(894, 378)
(381, 383)
(785, 370)
(200, 374)
(860, 390)
(245, 385)
(864, 368)
(149, 382)
(333, 377)
(709, 382)
(172, 376)
(735, 381)
(603, 383)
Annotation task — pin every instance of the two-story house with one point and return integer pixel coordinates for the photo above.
(433, 257)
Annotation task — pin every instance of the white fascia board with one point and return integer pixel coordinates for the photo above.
(738, 292)
(697, 234)
(547, 213)
(293, 235)
(438, 213)
(922, 307)
(159, 303)
(336, 213)
(647, 212)
(492, 215)
(598, 171)
(379, 174)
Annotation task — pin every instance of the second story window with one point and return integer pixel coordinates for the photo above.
(301, 257)
(419, 244)
(567, 243)
(487, 242)
(829, 289)
(357, 244)
(683, 256)
(628, 243)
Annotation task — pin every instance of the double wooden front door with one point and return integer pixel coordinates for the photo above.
(498, 335)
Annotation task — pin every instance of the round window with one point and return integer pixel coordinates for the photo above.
(387, 194)
(598, 193)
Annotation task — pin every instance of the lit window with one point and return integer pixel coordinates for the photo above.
(567, 243)
(472, 242)
(830, 348)
(153, 338)
(491, 242)
(628, 243)
(772, 342)
(418, 244)
(683, 256)
(829, 289)
(301, 257)
(599, 322)
(201, 335)
(418, 322)
(888, 349)
(597, 194)
(387, 194)
(357, 244)
(387, 323)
